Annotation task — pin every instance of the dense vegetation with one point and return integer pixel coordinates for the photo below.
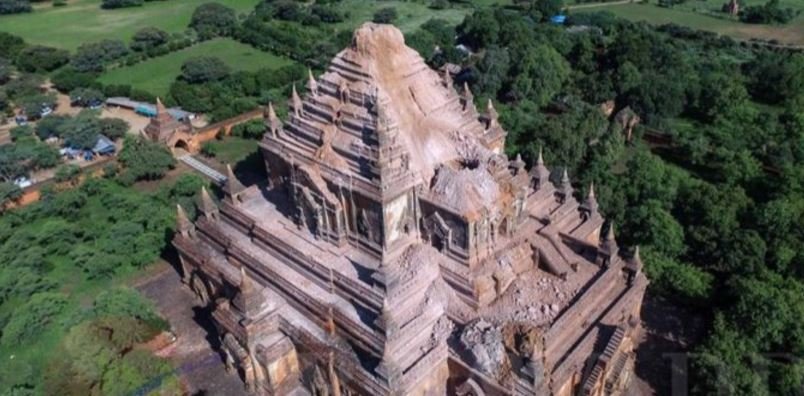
(770, 12)
(69, 325)
(718, 211)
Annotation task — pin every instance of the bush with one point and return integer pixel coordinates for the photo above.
(39, 58)
(253, 129)
(59, 3)
(210, 149)
(14, 6)
(126, 302)
(10, 45)
(117, 90)
(111, 4)
(385, 15)
(69, 79)
(148, 38)
(20, 132)
(67, 172)
(327, 13)
(86, 97)
(439, 4)
(768, 13)
(93, 57)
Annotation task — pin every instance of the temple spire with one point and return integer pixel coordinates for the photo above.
(519, 163)
(467, 97)
(607, 251)
(296, 101)
(635, 262)
(566, 185)
(245, 282)
(248, 300)
(312, 85)
(610, 242)
(273, 121)
(590, 203)
(184, 225)
(540, 173)
(160, 108)
(208, 206)
(233, 186)
(491, 114)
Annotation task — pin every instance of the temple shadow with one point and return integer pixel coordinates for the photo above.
(669, 331)
(203, 318)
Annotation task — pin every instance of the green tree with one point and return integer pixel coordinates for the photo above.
(114, 128)
(32, 317)
(51, 126)
(539, 75)
(93, 57)
(204, 69)
(9, 192)
(679, 281)
(144, 159)
(493, 70)
(38, 58)
(127, 302)
(544, 9)
(213, 19)
(480, 29)
(82, 131)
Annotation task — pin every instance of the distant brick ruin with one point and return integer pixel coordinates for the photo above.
(395, 250)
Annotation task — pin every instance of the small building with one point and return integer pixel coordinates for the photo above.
(147, 109)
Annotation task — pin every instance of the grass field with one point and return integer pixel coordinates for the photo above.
(156, 74)
(410, 15)
(791, 33)
(232, 149)
(83, 21)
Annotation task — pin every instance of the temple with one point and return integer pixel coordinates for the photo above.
(395, 250)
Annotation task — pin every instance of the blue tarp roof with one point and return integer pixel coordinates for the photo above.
(558, 19)
(104, 145)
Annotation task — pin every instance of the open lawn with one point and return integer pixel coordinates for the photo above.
(411, 15)
(791, 33)
(83, 21)
(232, 149)
(156, 74)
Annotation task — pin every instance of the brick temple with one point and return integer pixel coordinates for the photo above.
(395, 250)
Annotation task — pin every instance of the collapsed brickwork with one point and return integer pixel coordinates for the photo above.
(396, 250)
